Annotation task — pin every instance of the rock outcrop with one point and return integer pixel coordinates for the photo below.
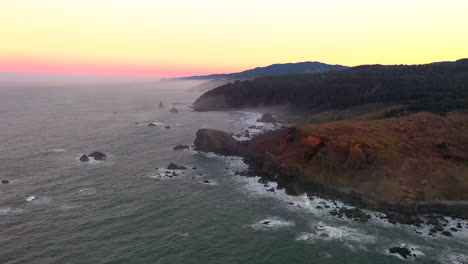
(219, 142)
(404, 251)
(395, 164)
(174, 110)
(173, 166)
(267, 118)
(180, 147)
(84, 158)
(98, 155)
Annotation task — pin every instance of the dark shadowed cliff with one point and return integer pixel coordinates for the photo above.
(436, 87)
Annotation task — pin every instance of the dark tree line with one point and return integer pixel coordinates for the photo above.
(436, 87)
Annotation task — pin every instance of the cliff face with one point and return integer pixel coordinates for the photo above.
(408, 161)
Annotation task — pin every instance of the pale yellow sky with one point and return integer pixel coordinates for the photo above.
(185, 36)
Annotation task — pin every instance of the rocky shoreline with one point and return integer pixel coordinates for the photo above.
(266, 157)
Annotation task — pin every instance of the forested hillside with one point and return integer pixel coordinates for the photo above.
(436, 87)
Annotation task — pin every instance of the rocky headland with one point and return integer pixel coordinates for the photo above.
(409, 165)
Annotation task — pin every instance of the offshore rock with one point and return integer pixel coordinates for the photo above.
(98, 155)
(267, 118)
(84, 158)
(219, 142)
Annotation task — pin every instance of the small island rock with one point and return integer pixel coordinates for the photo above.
(267, 118)
(180, 147)
(84, 158)
(173, 166)
(98, 155)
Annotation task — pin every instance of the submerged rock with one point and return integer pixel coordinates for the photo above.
(180, 147)
(167, 127)
(354, 213)
(402, 251)
(98, 155)
(173, 166)
(267, 118)
(174, 110)
(446, 233)
(84, 158)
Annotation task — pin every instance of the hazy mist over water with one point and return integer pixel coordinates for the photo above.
(126, 209)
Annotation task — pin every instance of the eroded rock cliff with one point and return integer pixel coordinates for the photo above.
(418, 162)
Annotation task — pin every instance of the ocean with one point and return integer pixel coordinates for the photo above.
(127, 209)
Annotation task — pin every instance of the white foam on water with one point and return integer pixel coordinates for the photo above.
(454, 258)
(272, 223)
(344, 234)
(301, 202)
(209, 182)
(30, 198)
(159, 124)
(10, 210)
(161, 174)
(66, 207)
(92, 162)
(248, 121)
(58, 150)
(309, 204)
(41, 200)
(87, 191)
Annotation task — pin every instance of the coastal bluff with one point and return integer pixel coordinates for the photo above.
(412, 164)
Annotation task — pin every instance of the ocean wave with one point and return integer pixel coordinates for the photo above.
(66, 207)
(272, 223)
(454, 258)
(39, 200)
(87, 191)
(30, 198)
(10, 210)
(249, 121)
(208, 182)
(59, 150)
(341, 233)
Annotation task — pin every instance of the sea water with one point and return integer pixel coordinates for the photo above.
(127, 209)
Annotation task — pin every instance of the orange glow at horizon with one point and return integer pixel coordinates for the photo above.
(173, 38)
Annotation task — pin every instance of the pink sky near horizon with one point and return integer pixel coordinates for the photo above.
(20, 65)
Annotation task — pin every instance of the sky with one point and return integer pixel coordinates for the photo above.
(171, 38)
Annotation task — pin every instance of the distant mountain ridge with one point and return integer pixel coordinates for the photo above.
(274, 69)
